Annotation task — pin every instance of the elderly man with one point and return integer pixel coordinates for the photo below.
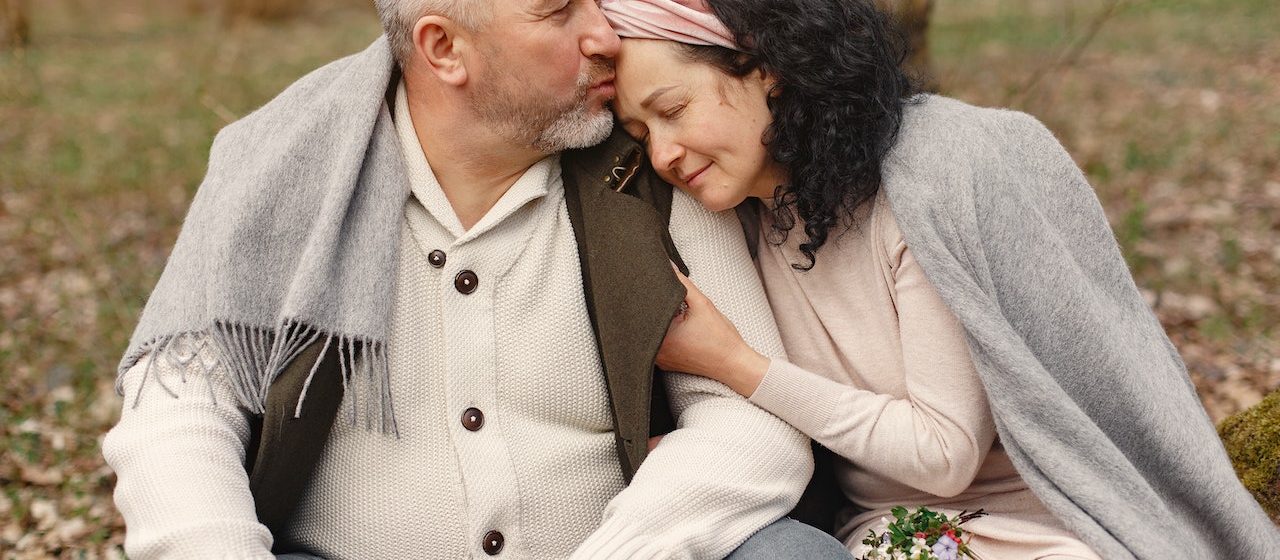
(400, 322)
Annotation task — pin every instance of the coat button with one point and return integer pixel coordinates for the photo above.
(472, 419)
(466, 281)
(492, 544)
(436, 258)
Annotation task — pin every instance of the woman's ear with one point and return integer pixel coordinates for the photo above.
(440, 44)
(768, 81)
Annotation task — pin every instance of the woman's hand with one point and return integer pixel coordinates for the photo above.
(701, 341)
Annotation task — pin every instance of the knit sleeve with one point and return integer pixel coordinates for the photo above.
(936, 436)
(178, 453)
(729, 468)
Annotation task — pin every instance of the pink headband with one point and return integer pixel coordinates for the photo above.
(683, 21)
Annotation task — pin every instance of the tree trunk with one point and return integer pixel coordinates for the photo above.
(14, 16)
(913, 17)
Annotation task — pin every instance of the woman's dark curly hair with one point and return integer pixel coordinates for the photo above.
(836, 107)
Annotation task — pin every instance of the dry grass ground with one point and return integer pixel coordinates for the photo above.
(106, 120)
(1174, 112)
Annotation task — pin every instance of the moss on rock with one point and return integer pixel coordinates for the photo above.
(1252, 439)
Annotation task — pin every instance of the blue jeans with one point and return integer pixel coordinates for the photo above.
(787, 539)
(784, 539)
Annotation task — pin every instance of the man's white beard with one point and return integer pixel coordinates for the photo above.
(576, 128)
(528, 118)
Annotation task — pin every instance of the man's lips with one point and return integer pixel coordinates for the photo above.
(604, 88)
(689, 178)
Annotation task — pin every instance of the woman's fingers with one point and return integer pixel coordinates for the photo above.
(680, 276)
(689, 289)
(681, 312)
(653, 442)
(693, 293)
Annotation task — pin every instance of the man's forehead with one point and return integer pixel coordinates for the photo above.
(531, 7)
(531, 4)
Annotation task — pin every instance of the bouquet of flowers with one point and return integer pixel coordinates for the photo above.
(922, 535)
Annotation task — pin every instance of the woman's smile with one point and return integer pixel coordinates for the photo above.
(688, 180)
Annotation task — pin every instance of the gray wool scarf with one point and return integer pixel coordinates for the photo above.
(1091, 401)
(292, 239)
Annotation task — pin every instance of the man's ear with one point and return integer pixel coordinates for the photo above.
(439, 43)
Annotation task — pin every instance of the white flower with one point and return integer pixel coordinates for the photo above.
(917, 545)
(864, 551)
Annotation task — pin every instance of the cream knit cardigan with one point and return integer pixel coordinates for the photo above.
(546, 475)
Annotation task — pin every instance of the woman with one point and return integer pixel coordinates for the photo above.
(963, 331)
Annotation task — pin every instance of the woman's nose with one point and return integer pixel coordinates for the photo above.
(665, 155)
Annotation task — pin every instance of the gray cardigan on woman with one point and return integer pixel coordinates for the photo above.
(1091, 400)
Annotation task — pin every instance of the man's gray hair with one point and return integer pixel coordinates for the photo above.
(399, 16)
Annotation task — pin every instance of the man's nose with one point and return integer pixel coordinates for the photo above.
(600, 39)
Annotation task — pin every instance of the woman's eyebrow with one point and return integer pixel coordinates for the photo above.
(652, 96)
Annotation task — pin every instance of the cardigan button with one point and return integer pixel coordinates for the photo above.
(472, 419)
(466, 281)
(436, 258)
(492, 544)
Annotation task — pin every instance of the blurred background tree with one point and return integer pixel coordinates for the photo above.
(235, 11)
(15, 23)
(913, 18)
(263, 9)
(1172, 108)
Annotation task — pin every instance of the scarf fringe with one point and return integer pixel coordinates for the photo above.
(253, 357)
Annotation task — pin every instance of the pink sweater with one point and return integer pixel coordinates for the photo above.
(880, 373)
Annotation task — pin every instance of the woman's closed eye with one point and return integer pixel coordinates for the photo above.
(641, 133)
(670, 114)
(674, 112)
